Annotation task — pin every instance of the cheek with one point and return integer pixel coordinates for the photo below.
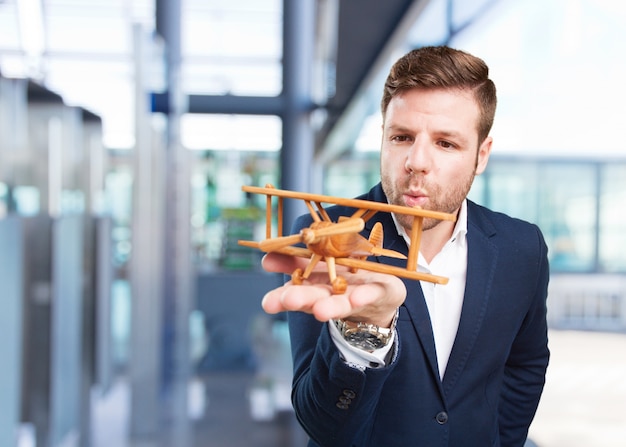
(464, 164)
(390, 160)
(384, 161)
(453, 171)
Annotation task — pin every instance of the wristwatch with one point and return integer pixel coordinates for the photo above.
(366, 336)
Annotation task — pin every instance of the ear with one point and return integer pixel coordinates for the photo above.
(484, 150)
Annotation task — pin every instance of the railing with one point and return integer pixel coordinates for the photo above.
(587, 302)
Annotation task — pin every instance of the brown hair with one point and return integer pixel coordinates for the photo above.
(443, 67)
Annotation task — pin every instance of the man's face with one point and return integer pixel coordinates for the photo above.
(430, 151)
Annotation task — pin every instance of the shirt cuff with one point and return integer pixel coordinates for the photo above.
(358, 358)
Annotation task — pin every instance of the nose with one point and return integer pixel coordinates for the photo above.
(418, 158)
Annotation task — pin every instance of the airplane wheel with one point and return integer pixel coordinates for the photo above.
(339, 285)
(296, 277)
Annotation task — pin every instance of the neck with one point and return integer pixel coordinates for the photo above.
(435, 238)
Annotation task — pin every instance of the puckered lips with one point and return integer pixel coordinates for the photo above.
(415, 198)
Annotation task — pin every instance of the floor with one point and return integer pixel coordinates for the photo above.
(228, 420)
(582, 406)
(223, 417)
(584, 400)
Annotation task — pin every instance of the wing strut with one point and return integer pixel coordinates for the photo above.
(416, 238)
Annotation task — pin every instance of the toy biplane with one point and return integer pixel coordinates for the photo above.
(339, 243)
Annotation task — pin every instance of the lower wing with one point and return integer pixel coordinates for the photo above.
(359, 264)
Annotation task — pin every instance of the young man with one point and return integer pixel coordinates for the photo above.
(458, 365)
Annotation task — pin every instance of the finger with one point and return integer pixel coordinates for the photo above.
(366, 294)
(332, 307)
(316, 300)
(304, 296)
(385, 289)
(291, 297)
(279, 263)
(271, 302)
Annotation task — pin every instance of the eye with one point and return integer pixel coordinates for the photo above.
(400, 138)
(446, 144)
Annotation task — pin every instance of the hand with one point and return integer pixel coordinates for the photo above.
(370, 297)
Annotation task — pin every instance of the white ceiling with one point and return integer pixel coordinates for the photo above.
(559, 64)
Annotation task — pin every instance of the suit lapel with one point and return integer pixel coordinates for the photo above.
(481, 264)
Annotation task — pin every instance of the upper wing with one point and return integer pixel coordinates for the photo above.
(351, 203)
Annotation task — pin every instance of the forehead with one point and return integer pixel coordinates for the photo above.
(453, 104)
(444, 109)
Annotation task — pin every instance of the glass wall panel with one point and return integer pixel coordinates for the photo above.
(576, 204)
(612, 237)
(353, 177)
(479, 188)
(559, 197)
(567, 214)
(513, 188)
(4, 200)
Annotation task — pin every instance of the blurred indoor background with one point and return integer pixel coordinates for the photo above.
(130, 315)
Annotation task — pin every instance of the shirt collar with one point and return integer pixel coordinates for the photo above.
(460, 228)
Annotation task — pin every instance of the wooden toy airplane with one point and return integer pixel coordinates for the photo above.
(339, 243)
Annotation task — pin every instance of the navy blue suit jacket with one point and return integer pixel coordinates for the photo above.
(495, 374)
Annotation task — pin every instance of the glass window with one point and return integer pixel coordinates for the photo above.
(4, 200)
(567, 214)
(512, 188)
(232, 47)
(612, 237)
(351, 177)
(478, 191)
(560, 197)
(231, 132)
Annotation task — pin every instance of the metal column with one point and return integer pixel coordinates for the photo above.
(145, 263)
(298, 136)
(12, 280)
(177, 268)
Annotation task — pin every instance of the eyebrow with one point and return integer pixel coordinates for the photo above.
(397, 128)
(450, 133)
(444, 133)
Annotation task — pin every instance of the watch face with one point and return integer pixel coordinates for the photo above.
(365, 341)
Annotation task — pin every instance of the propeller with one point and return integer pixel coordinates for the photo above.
(269, 245)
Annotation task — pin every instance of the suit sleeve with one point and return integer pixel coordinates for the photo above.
(334, 402)
(524, 373)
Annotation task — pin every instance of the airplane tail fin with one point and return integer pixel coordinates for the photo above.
(376, 239)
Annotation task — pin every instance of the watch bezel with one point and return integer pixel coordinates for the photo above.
(365, 340)
(366, 336)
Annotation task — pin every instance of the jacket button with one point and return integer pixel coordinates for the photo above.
(442, 417)
(344, 401)
(349, 394)
(342, 405)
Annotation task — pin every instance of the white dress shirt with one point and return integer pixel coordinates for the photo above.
(444, 301)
